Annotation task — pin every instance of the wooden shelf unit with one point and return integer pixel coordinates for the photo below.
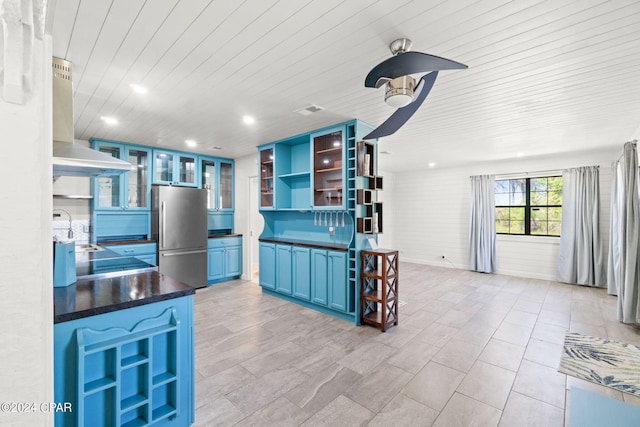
(379, 287)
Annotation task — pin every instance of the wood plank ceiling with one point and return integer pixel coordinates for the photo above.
(544, 77)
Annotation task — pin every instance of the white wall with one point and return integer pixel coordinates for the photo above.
(245, 167)
(427, 214)
(26, 250)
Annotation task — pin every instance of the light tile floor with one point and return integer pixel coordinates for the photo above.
(470, 349)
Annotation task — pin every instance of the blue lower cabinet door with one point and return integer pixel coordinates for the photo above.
(267, 265)
(233, 267)
(337, 273)
(283, 271)
(215, 264)
(301, 272)
(319, 291)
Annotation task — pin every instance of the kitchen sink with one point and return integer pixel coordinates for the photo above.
(88, 247)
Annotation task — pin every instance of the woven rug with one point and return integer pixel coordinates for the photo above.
(609, 363)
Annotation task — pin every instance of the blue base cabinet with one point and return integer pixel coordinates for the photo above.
(267, 265)
(283, 269)
(301, 272)
(319, 291)
(224, 256)
(127, 367)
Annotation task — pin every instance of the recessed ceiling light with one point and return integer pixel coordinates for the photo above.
(109, 120)
(138, 89)
(248, 120)
(431, 164)
(191, 143)
(520, 154)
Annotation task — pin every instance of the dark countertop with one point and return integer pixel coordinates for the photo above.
(218, 236)
(90, 297)
(308, 243)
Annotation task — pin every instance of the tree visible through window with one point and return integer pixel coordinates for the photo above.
(529, 206)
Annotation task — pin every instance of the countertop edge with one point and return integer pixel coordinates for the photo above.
(306, 244)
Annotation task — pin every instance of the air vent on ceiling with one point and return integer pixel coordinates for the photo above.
(215, 147)
(309, 109)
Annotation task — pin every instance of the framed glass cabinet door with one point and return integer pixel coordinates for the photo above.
(226, 186)
(109, 187)
(138, 179)
(266, 178)
(208, 179)
(328, 179)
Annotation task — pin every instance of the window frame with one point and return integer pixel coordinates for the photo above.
(528, 207)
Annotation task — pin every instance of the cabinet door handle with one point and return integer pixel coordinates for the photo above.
(128, 251)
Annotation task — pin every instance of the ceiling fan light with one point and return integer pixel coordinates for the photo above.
(399, 91)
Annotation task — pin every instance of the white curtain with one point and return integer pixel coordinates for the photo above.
(616, 240)
(623, 254)
(482, 225)
(581, 259)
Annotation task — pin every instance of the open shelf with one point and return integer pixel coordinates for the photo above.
(379, 287)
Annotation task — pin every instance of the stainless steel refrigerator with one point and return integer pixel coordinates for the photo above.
(179, 225)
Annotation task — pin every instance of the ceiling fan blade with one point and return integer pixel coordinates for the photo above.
(407, 63)
(401, 115)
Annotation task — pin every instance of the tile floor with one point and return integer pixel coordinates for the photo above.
(470, 349)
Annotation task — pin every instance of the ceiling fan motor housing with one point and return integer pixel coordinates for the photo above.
(399, 92)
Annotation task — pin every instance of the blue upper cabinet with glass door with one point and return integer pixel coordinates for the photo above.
(266, 173)
(174, 168)
(216, 176)
(327, 160)
(122, 203)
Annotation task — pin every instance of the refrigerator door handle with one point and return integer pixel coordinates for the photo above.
(164, 224)
(183, 253)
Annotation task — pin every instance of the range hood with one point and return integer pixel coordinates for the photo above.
(70, 158)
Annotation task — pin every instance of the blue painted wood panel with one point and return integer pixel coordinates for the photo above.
(319, 290)
(337, 275)
(283, 271)
(267, 265)
(301, 260)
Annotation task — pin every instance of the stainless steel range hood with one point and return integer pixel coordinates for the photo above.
(69, 158)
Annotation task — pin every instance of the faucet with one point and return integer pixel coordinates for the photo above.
(70, 233)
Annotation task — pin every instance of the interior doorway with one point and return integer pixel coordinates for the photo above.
(256, 224)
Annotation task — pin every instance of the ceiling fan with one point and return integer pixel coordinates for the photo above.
(399, 73)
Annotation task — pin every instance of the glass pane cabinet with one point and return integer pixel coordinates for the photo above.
(130, 190)
(109, 186)
(208, 170)
(266, 178)
(174, 168)
(138, 182)
(327, 169)
(226, 186)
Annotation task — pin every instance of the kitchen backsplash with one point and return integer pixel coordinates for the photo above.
(80, 230)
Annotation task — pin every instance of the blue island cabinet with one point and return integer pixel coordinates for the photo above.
(127, 367)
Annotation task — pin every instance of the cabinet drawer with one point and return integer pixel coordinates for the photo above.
(223, 242)
(134, 249)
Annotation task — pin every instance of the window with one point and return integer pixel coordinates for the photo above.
(529, 206)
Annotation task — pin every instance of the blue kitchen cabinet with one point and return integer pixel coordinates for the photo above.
(174, 168)
(267, 265)
(301, 272)
(216, 176)
(337, 279)
(121, 204)
(283, 272)
(292, 174)
(329, 176)
(130, 190)
(266, 171)
(329, 278)
(224, 255)
(127, 367)
(319, 282)
(145, 251)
